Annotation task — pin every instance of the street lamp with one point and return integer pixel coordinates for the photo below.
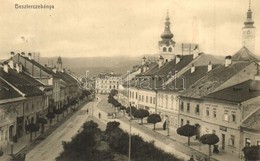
(130, 110)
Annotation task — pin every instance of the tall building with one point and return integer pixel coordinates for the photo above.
(166, 45)
(248, 32)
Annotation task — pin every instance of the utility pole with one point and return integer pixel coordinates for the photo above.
(130, 126)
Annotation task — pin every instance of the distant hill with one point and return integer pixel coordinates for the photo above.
(95, 65)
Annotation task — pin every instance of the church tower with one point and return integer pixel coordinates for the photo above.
(248, 31)
(59, 63)
(166, 45)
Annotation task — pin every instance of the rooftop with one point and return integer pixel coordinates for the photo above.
(252, 122)
(244, 55)
(213, 79)
(238, 93)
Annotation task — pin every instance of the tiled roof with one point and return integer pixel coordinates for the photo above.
(187, 79)
(244, 55)
(7, 92)
(170, 66)
(238, 93)
(253, 122)
(213, 79)
(22, 82)
(67, 78)
(43, 68)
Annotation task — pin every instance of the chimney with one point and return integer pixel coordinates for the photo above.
(11, 63)
(17, 68)
(161, 59)
(178, 59)
(228, 61)
(196, 52)
(12, 54)
(144, 60)
(209, 66)
(192, 69)
(30, 56)
(6, 67)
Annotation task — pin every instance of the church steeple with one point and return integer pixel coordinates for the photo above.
(166, 45)
(249, 23)
(248, 31)
(167, 34)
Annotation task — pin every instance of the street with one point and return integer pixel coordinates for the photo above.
(51, 147)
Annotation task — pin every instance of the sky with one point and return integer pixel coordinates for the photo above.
(87, 28)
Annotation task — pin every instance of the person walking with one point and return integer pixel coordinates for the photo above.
(191, 158)
(87, 111)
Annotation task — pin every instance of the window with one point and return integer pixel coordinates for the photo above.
(207, 112)
(225, 117)
(197, 110)
(214, 113)
(181, 122)
(170, 49)
(188, 107)
(247, 141)
(232, 140)
(151, 100)
(136, 95)
(139, 97)
(182, 108)
(142, 98)
(146, 99)
(188, 122)
(233, 116)
(164, 49)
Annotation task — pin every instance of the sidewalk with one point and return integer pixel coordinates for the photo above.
(24, 144)
(199, 151)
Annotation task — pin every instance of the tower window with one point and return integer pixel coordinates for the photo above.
(170, 49)
(164, 49)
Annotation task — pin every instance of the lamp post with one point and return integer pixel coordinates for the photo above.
(130, 110)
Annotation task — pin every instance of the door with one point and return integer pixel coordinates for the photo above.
(223, 141)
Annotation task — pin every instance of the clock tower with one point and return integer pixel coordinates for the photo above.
(166, 45)
(248, 31)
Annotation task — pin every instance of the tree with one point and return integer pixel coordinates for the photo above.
(154, 118)
(122, 108)
(133, 109)
(141, 113)
(50, 116)
(42, 121)
(57, 112)
(113, 92)
(32, 128)
(251, 153)
(209, 139)
(188, 131)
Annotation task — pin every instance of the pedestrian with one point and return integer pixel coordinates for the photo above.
(215, 149)
(191, 158)
(99, 115)
(164, 125)
(87, 111)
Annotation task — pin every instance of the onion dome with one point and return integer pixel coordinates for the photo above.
(167, 32)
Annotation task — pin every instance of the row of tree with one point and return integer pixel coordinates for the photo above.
(93, 144)
(53, 111)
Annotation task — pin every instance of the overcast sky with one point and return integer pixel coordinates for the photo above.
(89, 28)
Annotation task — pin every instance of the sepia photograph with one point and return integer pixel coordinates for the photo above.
(129, 80)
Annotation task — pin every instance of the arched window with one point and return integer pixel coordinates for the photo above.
(169, 49)
(164, 49)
